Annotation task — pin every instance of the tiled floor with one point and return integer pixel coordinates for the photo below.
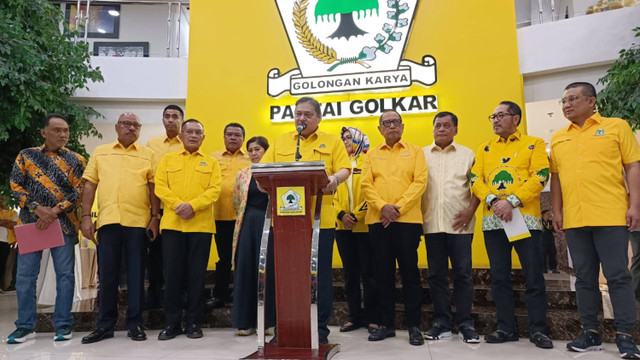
(223, 344)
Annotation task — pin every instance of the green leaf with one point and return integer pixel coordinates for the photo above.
(40, 69)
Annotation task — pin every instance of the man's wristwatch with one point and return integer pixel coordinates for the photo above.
(337, 180)
(32, 206)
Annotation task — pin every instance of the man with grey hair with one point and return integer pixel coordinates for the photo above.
(317, 146)
(128, 212)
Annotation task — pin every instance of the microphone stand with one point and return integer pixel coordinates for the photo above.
(298, 155)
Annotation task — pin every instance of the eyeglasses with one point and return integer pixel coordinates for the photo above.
(569, 99)
(130, 124)
(499, 116)
(395, 122)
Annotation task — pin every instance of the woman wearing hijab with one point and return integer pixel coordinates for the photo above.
(352, 237)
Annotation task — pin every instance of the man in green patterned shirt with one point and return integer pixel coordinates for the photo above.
(510, 172)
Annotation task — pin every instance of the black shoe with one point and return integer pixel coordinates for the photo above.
(137, 334)
(587, 341)
(415, 336)
(352, 326)
(215, 303)
(97, 335)
(437, 332)
(499, 336)
(541, 340)
(193, 331)
(170, 332)
(626, 346)
(323, 340)
(468, 334)
(371, 329)
(381, 333)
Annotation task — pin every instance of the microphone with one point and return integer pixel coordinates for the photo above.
(299, 128)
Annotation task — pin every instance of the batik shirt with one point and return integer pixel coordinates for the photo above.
(49, 179)
(515, 169)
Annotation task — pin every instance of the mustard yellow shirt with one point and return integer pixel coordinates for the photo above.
(448, 190)
(318, 146)
(162, 145)
(350, 199)
(230, 165)
(193, 178)
(395, 176)
(517, 170)
(590, 163)
(122, 176)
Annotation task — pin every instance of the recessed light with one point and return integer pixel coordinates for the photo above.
(114, 13)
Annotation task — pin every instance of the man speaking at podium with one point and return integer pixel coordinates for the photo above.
(316, 146)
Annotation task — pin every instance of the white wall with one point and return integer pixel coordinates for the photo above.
(577, 42)
(539, 87)
(138, 78)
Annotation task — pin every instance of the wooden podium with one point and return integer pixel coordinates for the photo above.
(291, 187)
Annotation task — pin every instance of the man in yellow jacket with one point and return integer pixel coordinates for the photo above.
(188, 183)
(394, 177)
(510, 172)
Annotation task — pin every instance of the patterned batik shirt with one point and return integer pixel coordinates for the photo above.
(514, 169)
(49, 179)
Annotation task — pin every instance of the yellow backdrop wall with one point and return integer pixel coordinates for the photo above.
(233, 45)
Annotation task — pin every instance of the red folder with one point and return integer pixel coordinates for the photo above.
(30, 239)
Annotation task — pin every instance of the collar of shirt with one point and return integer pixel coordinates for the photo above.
(450, 147)
(197, 152)
(44, 149)
(135, 145)
(513, 137)
(400, 143)
(171, 141)
(311, 137)
(239, 151)
(595, 118)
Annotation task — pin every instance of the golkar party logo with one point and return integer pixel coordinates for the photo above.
(349, 45)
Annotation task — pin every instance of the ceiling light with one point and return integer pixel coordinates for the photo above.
(101, 31)
(114, 13)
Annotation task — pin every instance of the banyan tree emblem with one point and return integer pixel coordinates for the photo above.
(343, 46)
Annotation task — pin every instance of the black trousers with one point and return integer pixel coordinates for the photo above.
(593, 246)
(499, 251)
(154, 271)
(113, 238)
(224, 245)
(399, 241)
(245, 287)
(440, 248)
(549, 253)
(357, 262)
(185, 257)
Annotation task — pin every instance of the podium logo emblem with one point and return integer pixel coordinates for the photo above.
(291, 201)
(343, 46)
